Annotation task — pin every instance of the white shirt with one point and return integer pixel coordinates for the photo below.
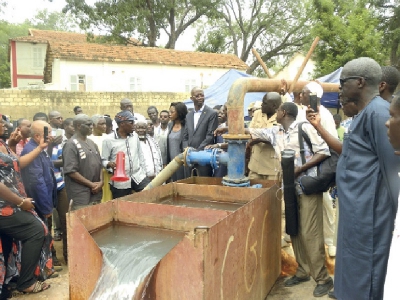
(327, 121)
(152, 156)
(197, 114)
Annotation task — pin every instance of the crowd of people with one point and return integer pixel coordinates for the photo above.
(51, 165)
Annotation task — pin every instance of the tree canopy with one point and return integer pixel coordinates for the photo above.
(139, 19)
(388, 13)
(347, 30)
(276, 28)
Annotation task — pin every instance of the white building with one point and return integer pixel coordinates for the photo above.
(66, 61)
(290, 71)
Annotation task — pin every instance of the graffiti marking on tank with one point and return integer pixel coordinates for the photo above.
(231, 238)
(253, 250)
(263, 272)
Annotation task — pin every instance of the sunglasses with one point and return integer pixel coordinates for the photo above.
(343, 80)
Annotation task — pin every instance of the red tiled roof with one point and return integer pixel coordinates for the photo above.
(74, 46)
(51, 35)
(114, 53)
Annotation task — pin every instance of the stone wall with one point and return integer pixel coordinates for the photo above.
(25, 103)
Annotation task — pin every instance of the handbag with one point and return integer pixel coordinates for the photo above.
(326, 170)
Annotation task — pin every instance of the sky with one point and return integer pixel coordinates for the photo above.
(18, 11)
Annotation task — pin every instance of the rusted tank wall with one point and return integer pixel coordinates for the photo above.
(85, 259)
(224, 254)
(243, 256)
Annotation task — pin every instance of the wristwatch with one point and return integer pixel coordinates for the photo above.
(219, 145)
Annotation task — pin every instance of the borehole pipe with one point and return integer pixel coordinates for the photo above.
(167, 172)
(236, 138)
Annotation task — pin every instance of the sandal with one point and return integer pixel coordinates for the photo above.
(38, 287)
(53, 275)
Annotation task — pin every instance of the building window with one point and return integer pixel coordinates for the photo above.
(189, 85)
(81, 83)
(135, 84)
(38, 60)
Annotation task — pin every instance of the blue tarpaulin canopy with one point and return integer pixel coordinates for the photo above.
(330, 100)
(217, 94)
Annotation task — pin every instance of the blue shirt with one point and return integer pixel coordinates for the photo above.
(39, 180)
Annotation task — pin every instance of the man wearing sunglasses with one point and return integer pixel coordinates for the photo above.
(367, 183)
(127, 141)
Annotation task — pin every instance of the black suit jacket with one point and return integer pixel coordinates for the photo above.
(203, 134)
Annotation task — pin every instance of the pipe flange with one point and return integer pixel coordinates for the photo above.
(242, 182)
(244, 137)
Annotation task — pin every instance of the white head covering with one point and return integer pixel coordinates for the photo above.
(315, 88)
(257, 105)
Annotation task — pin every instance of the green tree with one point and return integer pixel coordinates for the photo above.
(144, 19)
(275, 28)
(388, 12)
(43, 20)
(58, 21)
(347, 29)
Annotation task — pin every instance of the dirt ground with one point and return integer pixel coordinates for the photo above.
(59, 287)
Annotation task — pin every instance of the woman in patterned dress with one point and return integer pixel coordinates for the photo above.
(24, 244)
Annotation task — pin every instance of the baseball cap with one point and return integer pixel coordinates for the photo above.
(124, 115)
(251, 105)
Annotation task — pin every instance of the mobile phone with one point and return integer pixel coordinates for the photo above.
(314, 102)
(45, 133)
(15, 125)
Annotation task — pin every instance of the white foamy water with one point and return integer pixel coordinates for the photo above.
(130, 254)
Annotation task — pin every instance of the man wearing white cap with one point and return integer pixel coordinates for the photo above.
(328, 123)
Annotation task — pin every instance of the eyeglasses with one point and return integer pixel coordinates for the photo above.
(343, 80)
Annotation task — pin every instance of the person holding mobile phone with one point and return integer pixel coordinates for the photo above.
(312, 94)
(20, 222)
(38, 177)
(24, 129)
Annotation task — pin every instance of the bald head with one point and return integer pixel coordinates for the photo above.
(80, 119)
(126, 104)
(270, 103)
(275, 97)
(37, 129)
(54, 113)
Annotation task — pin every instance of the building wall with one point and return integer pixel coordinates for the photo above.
(290, 71)
(119, 77)
(25, 103)
(29, 63)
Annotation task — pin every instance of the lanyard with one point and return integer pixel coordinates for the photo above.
(128, 149)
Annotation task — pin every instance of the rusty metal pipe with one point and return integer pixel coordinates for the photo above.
(244, 85)
(167, 172)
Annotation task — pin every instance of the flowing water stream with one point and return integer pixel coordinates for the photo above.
(130, 254)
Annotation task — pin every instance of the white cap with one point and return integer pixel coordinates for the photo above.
(257, 105)
(315, 88)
